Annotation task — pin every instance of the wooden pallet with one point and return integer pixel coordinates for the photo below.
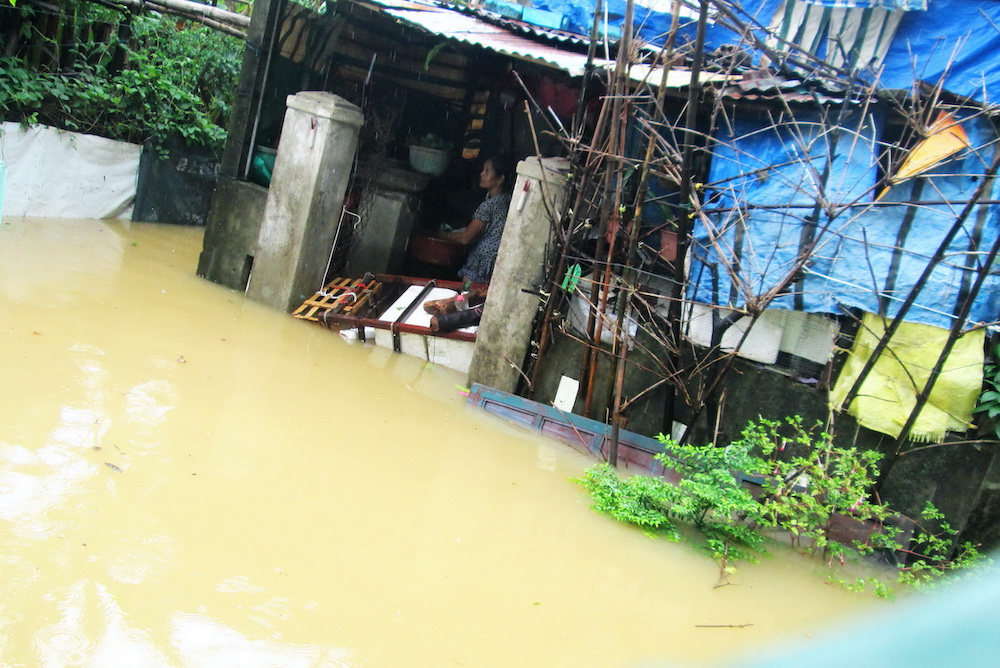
(341, 296)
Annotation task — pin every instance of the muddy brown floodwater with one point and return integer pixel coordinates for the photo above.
(191, 479)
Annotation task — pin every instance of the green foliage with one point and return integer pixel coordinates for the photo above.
(175, 83)
(639, 500)
(932, 553)
(806, 484)
(807, 480)
(432, 54)
(989, 400)
(709, 497)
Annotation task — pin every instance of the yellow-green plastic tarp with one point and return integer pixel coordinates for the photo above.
(888, 395)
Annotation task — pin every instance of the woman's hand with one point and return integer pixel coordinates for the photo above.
(466, 235)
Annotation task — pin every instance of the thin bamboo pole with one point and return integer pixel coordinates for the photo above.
(580, 183)
(623, 305)
(609, 214)
(630, 275)
(685, 224)
(194, 9)
(588, 72)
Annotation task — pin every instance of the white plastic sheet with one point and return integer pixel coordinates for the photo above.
(56, 174)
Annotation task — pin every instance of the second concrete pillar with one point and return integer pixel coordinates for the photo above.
(304, 202)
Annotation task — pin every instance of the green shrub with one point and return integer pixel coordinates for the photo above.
(177, 82)
(989, 400)
(805, 482)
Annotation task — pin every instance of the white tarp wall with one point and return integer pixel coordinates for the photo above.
(56, 174)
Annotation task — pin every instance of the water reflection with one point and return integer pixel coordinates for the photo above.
(202, 641)
(190, 479)
(80, 258)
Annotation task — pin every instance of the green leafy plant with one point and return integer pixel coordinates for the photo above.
(177, 82)
(989, 400)
(806, 486)
(706, 496)
(807, 482)
(933, 554)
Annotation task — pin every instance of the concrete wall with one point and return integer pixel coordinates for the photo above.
(231, 233)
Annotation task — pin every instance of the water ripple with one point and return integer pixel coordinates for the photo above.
(203, 641)
(36, 528)
(238, 584)
(58, 645)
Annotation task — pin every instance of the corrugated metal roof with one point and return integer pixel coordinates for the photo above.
(530, 29)
(471, 30)
(757, 85)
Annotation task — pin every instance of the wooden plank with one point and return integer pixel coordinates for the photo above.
(324, 300)
(323, 307)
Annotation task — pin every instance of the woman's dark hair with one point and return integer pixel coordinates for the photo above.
(503, 166)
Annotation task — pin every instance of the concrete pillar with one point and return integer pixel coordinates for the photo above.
(318, 141)
(505, 330)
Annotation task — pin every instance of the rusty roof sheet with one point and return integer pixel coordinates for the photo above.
(768, 85)
(531, 29)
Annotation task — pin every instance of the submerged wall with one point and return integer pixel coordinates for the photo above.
(961, 480)
(231, 233)
(177, 188)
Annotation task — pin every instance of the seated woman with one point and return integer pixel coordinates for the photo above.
(482, 235)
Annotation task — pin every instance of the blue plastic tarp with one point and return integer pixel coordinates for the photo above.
(761, 194)
(901, 240)
(905, 5)
(764, 182)
(956, 41)
(653, 26)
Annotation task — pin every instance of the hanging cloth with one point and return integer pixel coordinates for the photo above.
(888, 394)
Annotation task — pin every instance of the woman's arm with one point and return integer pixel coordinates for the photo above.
(467, 234)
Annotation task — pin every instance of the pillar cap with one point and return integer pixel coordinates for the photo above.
(326, 105)
(551, 170)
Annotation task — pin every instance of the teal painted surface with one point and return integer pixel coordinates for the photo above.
(634, 450)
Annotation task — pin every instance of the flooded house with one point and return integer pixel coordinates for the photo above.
(398, 104)
(775, 208)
